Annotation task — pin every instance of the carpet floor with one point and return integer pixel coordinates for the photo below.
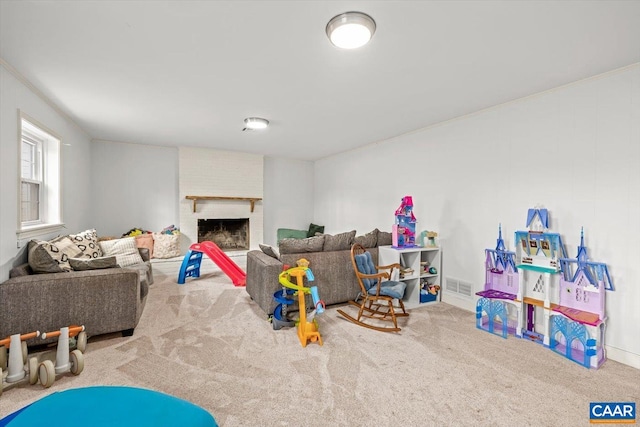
(209, 343)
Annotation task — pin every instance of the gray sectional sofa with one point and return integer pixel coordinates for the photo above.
(104, 300)
(329, 259)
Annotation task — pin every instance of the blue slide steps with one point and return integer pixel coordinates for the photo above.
(190, 266)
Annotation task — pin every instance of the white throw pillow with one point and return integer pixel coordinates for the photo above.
(124, 250)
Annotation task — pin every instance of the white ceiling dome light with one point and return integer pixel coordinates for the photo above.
(255, 123)
(351, 30)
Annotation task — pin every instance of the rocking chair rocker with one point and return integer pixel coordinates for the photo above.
(377, 295)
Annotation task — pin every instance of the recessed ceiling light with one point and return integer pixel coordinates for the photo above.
(255, 123)
(351, 30)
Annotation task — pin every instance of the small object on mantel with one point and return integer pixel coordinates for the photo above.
(251, 200)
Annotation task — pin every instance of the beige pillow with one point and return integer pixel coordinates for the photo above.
(166, 245)
(124, 250)
(87, 242)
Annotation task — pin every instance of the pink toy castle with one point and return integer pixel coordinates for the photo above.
(404, 230)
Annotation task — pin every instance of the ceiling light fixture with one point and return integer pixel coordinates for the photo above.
(255, 123)
(351, 30)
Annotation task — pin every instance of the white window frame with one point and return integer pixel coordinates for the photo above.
(46, 165)
(36, 173)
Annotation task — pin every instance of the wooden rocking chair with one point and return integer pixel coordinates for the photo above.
(377, 292)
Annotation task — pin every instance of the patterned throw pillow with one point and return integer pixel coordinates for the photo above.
(53, 256)
(166, 245)
(339, 242)
(124, 250)
(87, 241)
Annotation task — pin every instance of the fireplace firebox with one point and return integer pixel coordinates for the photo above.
(228, 234)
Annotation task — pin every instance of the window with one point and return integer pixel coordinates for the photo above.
(39, 190)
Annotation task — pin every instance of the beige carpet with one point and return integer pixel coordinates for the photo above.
(207, 342)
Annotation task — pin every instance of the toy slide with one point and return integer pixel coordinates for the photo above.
(191, 263)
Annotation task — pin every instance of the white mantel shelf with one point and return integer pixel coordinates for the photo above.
(251, 200)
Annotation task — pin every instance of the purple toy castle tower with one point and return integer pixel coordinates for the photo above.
(540, 294)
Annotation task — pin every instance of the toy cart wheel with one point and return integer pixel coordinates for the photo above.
(25, 351)
(33, 370)
(3, 357)
(77, 362)
(82, 341)
(46, 373)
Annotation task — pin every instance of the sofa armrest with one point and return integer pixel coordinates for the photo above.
(262, 279)
(107, 300)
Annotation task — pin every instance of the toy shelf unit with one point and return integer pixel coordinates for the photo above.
(421, 271)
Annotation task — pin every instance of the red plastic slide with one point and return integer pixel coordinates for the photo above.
(230, 268)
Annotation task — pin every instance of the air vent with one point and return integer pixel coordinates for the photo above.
(458, 287)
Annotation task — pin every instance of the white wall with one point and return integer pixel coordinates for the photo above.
(287, 193)
(76, 170)
(576, 150)
(288, 196)
(133, 185)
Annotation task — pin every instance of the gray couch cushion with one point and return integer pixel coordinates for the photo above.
(369, 240)
(270, 250)
(297, 246)
(53, 256)
(333, 272)
(21, 270)
(81, 264)
(384, 238)
(339, 242)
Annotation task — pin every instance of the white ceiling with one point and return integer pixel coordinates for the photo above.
(189, 72)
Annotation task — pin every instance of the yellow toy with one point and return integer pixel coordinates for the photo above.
(307, 330)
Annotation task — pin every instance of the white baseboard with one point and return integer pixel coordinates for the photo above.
(465, 303)
(623, 356)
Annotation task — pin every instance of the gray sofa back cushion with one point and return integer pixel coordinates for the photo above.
(384, 238)
(53, 256)
(297, 246)
(81, 264)
(369, 240)
(339, 242)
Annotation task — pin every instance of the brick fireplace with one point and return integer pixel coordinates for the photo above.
(207, 172)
